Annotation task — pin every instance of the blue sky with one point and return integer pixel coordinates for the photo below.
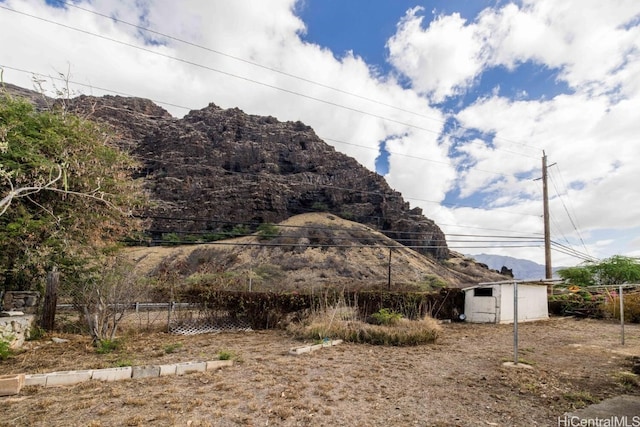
(364, 26)
(453, 102)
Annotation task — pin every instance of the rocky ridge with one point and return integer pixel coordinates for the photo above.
(215, 168)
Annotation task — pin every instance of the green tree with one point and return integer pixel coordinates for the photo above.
(66, 195)
(611, 271)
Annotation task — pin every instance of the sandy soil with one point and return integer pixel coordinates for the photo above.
(460, 381)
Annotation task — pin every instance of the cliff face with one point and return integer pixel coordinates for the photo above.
(216, 168)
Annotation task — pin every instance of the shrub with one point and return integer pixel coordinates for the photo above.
(226, 355)
(631, 307)
(239, 231)
(386, 317)
(576, 304)
(347, 215)
(171, 239)
(212, 237)
(172, 348)
(267, 231)
(433, 282)
(596, 305)
(104, 298)
(36, 333)
(628, 380)
(106, 346)
(269, 272)
(580, 399)
(320, 206)
(5, 348)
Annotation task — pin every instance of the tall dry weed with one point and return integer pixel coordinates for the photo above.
(341, 324)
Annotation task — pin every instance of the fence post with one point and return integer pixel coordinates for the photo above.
(621, 315)
(515, 323)
(50, 300)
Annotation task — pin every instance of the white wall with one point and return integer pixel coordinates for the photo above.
(532, 304)
(482, 309)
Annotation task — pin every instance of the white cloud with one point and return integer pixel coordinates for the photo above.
(587, 40)
(420, 168)
(441, 60)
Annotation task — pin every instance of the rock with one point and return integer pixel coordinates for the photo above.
(11, 313)
(59, 340)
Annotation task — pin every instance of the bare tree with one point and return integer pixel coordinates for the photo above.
(106, 297)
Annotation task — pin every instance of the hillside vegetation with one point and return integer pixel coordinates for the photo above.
(310, 252)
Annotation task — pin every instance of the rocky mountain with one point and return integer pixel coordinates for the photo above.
(215, 170)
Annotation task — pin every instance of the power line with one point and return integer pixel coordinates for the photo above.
(324, 138)
(33, 73)
(457, 244)
(423, 200)
(195, 64)
(566, 192)
(352, 190)
(246, 61)
(226, 73)
(565, 249)
(409, 156)
(445, 243)
(164, 161)
(321, 228)
(278, 71)
(573, 252)
(328, 186)
(306, 245)
(459, 205)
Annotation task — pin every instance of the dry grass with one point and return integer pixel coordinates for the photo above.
(459, 380)
(304, 260)
(402, 333)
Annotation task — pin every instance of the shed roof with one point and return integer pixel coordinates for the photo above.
(544, 282)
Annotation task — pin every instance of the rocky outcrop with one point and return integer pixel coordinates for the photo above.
(217, 168)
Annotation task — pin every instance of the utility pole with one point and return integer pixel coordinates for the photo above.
(389, 274)
(547, 234)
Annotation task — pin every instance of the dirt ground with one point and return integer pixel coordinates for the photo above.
(459, 381)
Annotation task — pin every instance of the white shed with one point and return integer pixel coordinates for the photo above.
(494, 302)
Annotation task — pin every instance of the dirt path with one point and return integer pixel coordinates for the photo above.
(460, 381)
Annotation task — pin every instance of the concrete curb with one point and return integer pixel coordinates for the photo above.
(188, 367)
(12, 384)
(112, 374)
(145, 372)
(309, 348)
(67, 377)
